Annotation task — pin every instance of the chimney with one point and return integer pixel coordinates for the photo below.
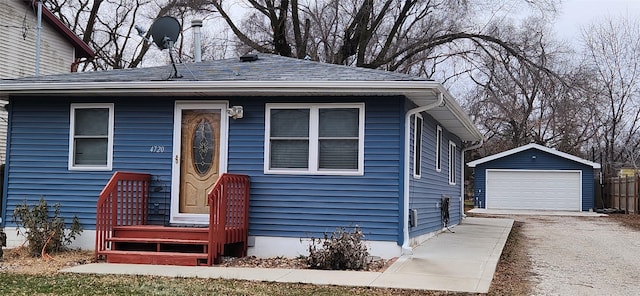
(196, 24)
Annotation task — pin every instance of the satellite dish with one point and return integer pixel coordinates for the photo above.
(165, 31)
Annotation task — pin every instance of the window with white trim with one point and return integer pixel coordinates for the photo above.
(91, 137)
(452, 163)
(417, 146)
(438, 148)
(315, 139)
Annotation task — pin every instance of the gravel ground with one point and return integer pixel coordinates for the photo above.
(582, 256)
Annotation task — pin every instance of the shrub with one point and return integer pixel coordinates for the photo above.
(342, 250)
(45, 232)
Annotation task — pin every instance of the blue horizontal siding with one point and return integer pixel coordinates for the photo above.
(281, 205)
(544, 161)
(426, 193)
(38, 155)
(307, 205)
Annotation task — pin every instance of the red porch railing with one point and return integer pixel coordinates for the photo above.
(124, 201)
(228, 215)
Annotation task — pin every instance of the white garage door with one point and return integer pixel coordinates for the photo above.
(534, 190)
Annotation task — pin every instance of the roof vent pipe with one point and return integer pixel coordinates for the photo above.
(197, 36)
(248, 58)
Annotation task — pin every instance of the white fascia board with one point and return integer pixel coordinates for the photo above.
(535, 146)
(452, 105)
(421, 92)
(409, 88)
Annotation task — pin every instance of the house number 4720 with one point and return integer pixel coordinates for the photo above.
(157, 149)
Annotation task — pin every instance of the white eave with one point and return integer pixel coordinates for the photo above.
(533, 146)
(421, 92)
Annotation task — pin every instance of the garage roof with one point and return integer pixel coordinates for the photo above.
(533, 146)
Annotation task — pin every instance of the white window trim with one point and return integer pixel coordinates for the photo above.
(452, 163)
(313, 138)
(438, 160)
(417, 161)
(109, 166)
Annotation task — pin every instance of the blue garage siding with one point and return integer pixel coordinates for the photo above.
(307, 205)
(426, 192)
(543, 161)
(38, 155)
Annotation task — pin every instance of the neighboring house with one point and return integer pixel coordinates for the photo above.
(325, 146)
(534, 177)
(60, 50)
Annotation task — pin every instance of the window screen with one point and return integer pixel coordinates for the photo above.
(91, 136)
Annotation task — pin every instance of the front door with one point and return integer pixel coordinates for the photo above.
(197, 164)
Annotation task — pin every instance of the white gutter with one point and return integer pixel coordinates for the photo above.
(462, 164)
(406, 248)
(416, 88)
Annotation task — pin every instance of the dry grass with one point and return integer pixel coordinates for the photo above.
(513, 270)
(632, 221)
(17, 260)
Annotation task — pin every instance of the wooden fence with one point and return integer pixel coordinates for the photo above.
(623, 193)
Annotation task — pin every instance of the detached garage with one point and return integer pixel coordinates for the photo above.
(534, 177)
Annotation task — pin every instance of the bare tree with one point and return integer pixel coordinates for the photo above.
(396, 35)
(516, 105)
(108, 26)
(612, 53)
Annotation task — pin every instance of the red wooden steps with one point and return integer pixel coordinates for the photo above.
(156, 231)
(158, 240)
(152, 244)
(157, 258)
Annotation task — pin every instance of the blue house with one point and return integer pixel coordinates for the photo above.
(534, 177)
(320, 146)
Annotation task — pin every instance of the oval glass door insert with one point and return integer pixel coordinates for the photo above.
(203, 147)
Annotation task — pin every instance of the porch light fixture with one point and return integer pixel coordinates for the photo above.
(235, 112)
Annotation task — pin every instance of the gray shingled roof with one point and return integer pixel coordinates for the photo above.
(270, 75)
(266, 68)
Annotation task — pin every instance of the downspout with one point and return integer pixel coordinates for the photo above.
(476, 146)
(406, 248)
(38, 36)
(3, 203)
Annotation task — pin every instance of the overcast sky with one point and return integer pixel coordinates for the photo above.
(576, 13)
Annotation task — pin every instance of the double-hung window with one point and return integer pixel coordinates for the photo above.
(452, 163)
(323, 139)
(91, 137)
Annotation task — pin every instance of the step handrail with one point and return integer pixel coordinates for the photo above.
(124, 201)
(228, 208)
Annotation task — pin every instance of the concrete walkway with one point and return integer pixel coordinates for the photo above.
(463, 261)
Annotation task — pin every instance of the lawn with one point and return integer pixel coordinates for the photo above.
(77, 284)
